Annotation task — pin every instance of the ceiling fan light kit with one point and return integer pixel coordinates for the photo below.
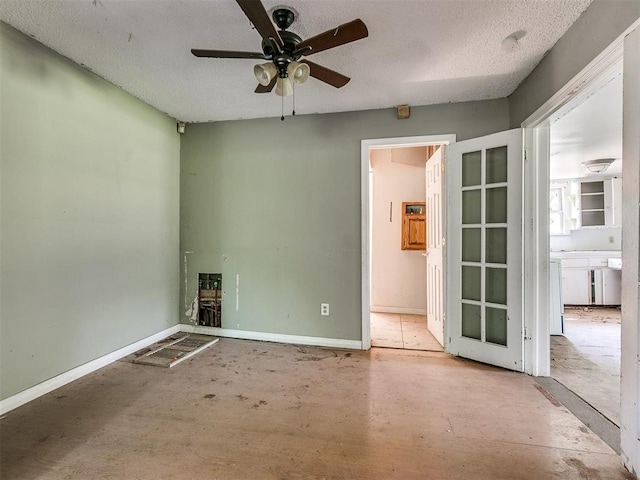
(284, 87)
(299, 72)
(265, 73)
(284, 50)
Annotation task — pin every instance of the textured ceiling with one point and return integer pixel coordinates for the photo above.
(418, 52)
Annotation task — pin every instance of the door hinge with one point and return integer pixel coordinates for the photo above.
(442, 167)
(525, 154)
(444, 241)
(524, 333)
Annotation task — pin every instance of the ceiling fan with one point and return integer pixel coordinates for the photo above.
(284, 50)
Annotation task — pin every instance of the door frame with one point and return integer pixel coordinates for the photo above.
(536, 233)
(366, 212)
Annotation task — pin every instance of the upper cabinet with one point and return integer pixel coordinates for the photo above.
(414, 230)
(592, 204)
(575, 204)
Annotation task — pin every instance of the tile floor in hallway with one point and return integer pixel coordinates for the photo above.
(394, 330)
(586, 359)
(254, 410)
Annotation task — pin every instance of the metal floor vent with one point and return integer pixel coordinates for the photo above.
(173, 350)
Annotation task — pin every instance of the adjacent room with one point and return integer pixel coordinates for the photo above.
(586, 231)
(190, 193)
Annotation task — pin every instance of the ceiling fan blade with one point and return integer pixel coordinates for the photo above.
(326, 75)
(349, 32)
(227, 54)
(256, 13)
(267, 88)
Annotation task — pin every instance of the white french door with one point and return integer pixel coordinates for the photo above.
(484, 249)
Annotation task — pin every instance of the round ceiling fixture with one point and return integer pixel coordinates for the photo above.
(598, 165)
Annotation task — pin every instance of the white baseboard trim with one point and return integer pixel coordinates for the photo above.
(399, 310)
(273, 337)
(58, 381)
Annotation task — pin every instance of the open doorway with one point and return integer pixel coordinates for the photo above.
(398, 309)
(397, 247)
(585, 227)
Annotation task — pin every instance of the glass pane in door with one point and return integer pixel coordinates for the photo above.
(497, 165)
(471, 280)
(471, 321)
(471, 206)
(496, 245)
(496, 208)
(471, 246)
(471, 168)
(496, 285)
(496, 325)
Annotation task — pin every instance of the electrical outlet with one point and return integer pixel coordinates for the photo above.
(611, 239)
(324, 309)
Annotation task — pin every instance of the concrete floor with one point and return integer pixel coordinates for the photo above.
(587, 358)
(252, 410)
(394, 330)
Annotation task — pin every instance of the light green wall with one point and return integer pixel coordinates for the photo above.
(89, 216)
(279, 204)
(595, 30)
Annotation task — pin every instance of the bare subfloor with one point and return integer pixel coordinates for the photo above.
(586, 359)
(252, 410)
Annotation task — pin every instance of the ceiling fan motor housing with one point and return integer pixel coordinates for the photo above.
(286, 56)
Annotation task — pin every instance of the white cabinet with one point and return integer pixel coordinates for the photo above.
(606, 286)
(576, 286)
(587, 278)
(611, 282)
(592, 204)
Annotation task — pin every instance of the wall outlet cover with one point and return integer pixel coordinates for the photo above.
(324, 309)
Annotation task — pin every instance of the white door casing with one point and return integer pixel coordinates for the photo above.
(485, 249)
(435, 247)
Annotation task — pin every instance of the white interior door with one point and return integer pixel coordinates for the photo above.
(484, 249)
(435, 232)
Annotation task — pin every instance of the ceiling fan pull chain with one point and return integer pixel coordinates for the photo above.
(282, 108)
(293, 114)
